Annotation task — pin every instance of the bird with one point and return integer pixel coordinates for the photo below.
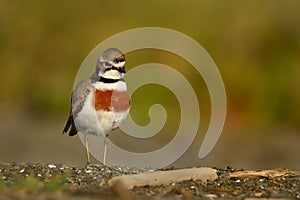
(100, 103)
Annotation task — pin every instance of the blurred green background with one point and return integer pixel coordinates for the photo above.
(255, 44)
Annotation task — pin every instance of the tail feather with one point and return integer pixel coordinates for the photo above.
(70, 126)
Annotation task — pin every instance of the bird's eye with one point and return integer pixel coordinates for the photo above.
(107, 64)
(116, 61)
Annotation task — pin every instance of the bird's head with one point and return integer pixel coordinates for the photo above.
(111, 64)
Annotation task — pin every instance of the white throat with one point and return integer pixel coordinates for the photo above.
(120, 86)
(112, 74)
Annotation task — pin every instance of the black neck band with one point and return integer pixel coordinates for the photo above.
(108, 80)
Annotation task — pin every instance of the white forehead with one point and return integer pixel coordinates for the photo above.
(119, 64)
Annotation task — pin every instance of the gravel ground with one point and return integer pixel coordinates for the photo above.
(57, 181)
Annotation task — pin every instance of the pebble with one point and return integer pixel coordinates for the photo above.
(210, 196)
(51, 166)
(4, 165)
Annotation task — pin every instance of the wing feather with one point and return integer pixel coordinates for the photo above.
(79, 94)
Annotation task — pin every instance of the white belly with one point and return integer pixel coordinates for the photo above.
(109, 120)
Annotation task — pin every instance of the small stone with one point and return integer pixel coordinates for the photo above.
(210, 196)
(102, 183)
(51, 166)
(4, 165)
(258, 194)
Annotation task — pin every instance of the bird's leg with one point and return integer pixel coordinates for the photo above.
(87, 150)
(105, 149)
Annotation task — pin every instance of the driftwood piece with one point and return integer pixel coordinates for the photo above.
(263, 173)
(164, 177)
(259, 198)
(121, 191)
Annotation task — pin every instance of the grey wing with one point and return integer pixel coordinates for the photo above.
(79, 95)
